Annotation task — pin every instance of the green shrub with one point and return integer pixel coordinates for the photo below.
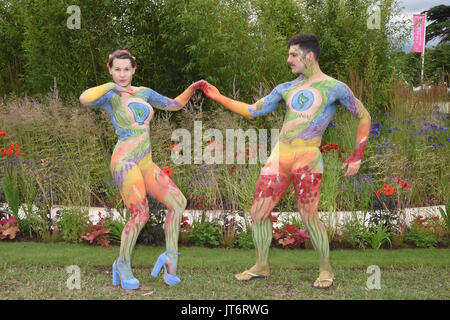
(245, 240)
(354, 232)
(378, 235)
(204, 233)
(421, 237)
(115, 229)
(73, 224)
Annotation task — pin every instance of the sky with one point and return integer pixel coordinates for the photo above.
(411, 7)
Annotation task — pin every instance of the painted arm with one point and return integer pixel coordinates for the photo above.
(261, 107)
(91, 97)
(357, 109)
(161, 102)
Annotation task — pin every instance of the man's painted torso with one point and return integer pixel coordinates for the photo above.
(309, 109)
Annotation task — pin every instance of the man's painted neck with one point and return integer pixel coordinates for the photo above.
(311, 71)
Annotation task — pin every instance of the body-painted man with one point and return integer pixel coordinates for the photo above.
(130, 110)
(311, 101)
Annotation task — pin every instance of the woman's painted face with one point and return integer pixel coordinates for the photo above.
(122, 72)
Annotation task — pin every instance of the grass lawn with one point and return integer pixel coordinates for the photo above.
(30, 270)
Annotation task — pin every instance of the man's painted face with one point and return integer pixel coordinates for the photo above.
(122, 72)
(297, 60)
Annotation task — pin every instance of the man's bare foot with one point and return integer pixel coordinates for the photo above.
(254, 272)
(324, 281)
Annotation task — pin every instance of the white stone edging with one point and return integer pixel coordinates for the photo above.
(334, 219)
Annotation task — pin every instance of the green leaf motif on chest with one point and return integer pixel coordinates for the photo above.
(140, 112)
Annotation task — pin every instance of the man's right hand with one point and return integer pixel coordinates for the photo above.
(209, 90)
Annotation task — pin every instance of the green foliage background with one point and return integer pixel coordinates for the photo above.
(177, 42)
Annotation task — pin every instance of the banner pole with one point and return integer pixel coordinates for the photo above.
(423, 50)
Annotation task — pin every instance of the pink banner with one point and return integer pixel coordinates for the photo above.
(419, 32)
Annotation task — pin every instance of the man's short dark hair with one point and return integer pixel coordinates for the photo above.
(307, 42)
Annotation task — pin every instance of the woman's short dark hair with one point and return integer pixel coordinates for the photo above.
(307, 42)
(121, 54)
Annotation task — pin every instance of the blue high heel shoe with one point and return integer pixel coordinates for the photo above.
(129, 284)
(170, 279)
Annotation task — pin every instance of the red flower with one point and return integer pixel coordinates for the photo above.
(175, 147)
(168, 171)
(388, 190)
(405, 185)
(16, 147)
(379, 192)
(2, 133)
(233, 168)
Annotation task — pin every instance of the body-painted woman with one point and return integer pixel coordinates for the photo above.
(130, 110)
(311, 101)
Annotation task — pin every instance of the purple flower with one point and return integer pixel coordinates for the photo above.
(408, 121)
(376, 125)
(375, 133)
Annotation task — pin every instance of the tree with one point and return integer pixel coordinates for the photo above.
(440, 26)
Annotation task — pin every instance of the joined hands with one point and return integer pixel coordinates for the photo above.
(208, 89)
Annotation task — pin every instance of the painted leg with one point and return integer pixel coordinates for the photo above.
(161, 187)
(269, 189)
(132, 188)
(307, 189)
